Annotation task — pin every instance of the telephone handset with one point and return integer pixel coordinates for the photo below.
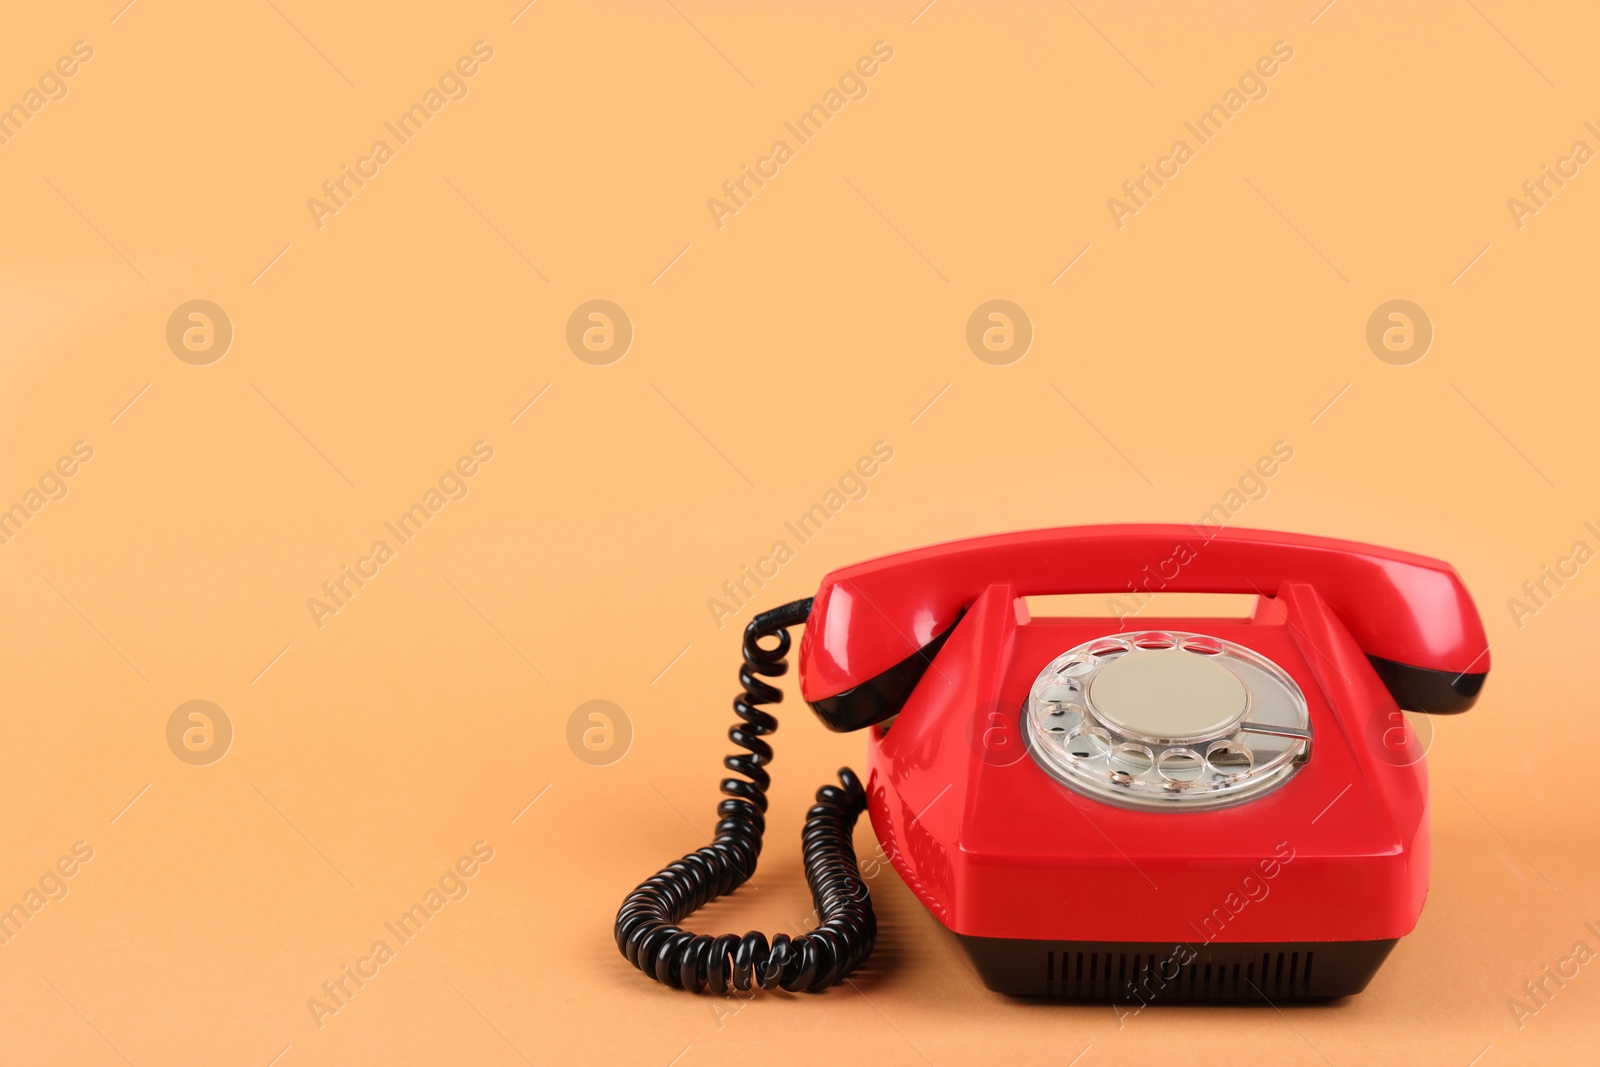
(1034, 780)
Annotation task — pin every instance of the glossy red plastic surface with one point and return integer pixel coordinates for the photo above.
(1396, 605)
(996, 847)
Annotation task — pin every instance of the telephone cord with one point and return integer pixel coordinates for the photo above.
(647, 930)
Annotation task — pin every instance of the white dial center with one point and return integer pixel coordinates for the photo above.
(1168, 695)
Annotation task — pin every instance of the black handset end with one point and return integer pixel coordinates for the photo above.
(1424, 689)
(881, 697)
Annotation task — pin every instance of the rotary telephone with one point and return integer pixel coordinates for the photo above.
(1199, 808)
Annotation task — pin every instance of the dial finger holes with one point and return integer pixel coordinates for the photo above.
(1181, 766)
(1153, 642)
(1088, 743)
(1107, 647)
(1203, 646)
(1128, 761)
(1229, 758)
(1062, 721)
(1061, 692)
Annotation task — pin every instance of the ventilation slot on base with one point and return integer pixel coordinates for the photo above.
(1147, 971)
(1209, 974)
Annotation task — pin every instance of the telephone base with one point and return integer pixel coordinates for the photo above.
(1145, 971)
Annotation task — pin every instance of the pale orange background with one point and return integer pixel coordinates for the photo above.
(769, 354)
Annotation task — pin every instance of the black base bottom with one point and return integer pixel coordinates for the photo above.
(1162, 971)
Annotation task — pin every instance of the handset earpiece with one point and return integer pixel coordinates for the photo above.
(882, 696)
(1425, 689)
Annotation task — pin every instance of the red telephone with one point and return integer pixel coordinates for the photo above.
(1198, 808)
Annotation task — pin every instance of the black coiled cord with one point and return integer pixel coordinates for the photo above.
(646, 930)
